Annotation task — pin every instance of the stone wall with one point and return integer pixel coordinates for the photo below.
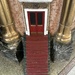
(17, 13)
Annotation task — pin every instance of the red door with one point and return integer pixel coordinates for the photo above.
(36, 22)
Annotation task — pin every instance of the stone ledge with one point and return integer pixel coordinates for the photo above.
(35, 1)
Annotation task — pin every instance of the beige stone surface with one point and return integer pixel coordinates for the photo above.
(9, 67)
(17, 13)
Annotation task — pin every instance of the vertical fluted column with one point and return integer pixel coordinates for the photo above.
(10, 23)
(63, 18)
(9, 19)
(2, 15)
(7, 11)
(7, 35)
(66, 37)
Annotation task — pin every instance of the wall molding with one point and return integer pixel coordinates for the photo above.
(35, 1)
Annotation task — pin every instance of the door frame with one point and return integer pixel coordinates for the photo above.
(27, 22)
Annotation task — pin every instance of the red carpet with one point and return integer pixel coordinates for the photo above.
(37, 55)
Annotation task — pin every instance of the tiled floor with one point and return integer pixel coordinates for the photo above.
(72, 72)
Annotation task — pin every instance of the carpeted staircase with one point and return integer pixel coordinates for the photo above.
(37, 55)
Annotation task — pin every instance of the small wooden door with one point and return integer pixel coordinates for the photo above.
(36, 22)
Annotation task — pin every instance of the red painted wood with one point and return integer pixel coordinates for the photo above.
(31, 27)
(40, 28)
(37, 55)
(36, 23)
(36, 28)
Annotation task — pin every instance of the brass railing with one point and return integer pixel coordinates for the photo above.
(10, 34)
(67, 15)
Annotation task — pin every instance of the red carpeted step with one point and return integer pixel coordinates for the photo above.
(37, 51)
(38, 70)
(38, 74)
(37, 55)
(36, 65)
